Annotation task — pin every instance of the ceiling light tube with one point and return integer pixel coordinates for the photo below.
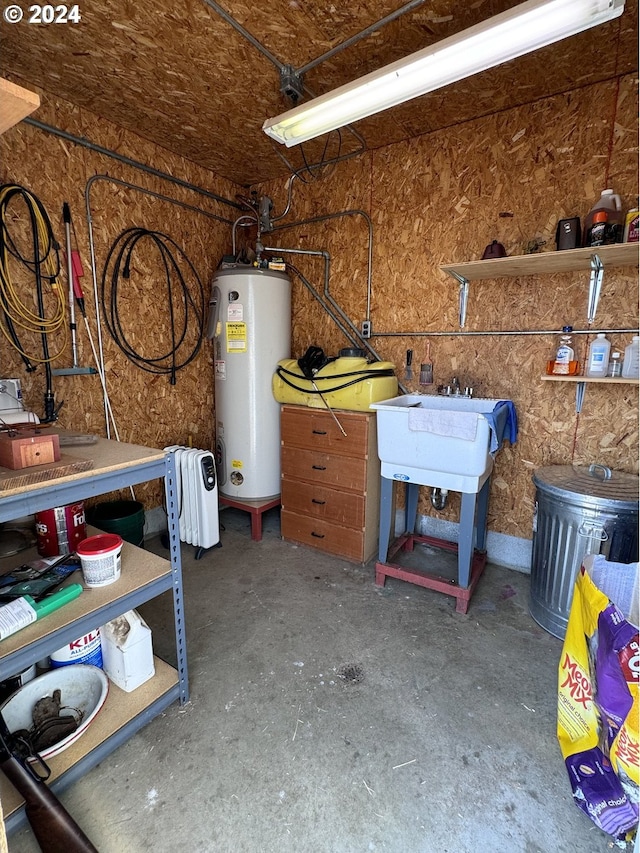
(527, 27)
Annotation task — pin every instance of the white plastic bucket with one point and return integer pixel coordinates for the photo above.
(100, 558)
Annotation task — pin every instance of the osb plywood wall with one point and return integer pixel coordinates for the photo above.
(442, 198)
(148, 410)
(436, 199)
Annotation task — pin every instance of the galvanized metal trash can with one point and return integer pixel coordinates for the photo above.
(578, 511)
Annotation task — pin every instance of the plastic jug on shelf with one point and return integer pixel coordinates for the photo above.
(598, 358)
(609, 203)
(631, 364)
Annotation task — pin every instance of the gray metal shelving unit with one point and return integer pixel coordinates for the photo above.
(144, 576)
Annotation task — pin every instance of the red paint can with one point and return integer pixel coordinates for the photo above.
(60, 529)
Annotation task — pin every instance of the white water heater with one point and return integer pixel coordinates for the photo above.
(250, 323)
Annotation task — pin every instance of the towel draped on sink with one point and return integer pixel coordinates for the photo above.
(462, 425)
(503, 423)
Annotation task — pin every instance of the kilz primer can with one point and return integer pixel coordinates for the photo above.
(86, 649)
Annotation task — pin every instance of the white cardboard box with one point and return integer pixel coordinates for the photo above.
(127, 651)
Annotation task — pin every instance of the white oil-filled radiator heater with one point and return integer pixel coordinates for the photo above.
(197, 497)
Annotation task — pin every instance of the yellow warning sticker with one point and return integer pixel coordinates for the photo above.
(236, 337)
(236, 463)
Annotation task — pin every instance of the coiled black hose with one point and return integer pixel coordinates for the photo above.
(355, 377)
(177, 289)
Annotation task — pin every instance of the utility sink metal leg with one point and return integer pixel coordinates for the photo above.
(411, 507)
(465, 537)
(482, 512)
(471, 561)
(386, 513)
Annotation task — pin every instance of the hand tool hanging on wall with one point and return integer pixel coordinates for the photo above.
(408, 372)
(44, 264)
(191, 296)
(426, 368)
(74, 273)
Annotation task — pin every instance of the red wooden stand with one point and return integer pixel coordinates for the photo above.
(255, 508)
(438, 583)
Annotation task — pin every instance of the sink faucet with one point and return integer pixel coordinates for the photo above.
(454, 389)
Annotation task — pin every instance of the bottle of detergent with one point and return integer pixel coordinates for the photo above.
(611, 204)
(632, 226)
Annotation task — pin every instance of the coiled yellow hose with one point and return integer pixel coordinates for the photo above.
(45, 266)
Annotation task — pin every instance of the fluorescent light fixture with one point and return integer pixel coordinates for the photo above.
(527, 27)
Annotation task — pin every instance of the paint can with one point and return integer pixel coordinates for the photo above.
(100, 558)
(86, 649)
(60, 529)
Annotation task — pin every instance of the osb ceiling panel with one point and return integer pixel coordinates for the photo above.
(182, 76)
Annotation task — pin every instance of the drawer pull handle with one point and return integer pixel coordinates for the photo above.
(319, 467)
(319, 432)
(317, 535)
(316, 501)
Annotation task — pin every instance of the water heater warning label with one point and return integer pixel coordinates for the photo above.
(236, 337)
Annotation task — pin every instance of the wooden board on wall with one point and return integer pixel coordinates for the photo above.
(16, 103)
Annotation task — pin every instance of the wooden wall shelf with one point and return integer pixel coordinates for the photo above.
(581, 384)
(593, 259)
(545, 263)
(607, 380)
(16, 103)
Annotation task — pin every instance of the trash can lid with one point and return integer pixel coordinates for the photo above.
(595, 481)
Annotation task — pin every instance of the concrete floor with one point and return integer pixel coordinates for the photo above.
(331, 716)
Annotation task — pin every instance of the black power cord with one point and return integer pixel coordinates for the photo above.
(177, 290)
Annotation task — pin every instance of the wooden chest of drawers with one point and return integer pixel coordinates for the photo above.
(330, 482)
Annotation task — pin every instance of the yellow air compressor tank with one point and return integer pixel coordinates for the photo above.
(347, 382)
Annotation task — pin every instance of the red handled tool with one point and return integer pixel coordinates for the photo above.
(76, 296)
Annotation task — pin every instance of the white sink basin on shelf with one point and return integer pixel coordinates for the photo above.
(435, 440)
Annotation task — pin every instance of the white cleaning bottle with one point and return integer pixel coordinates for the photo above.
(631, 364)
(598, 359)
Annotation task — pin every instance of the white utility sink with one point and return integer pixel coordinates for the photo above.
(435, 440)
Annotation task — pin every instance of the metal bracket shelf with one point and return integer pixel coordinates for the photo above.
(545, 263)
(581, 383)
